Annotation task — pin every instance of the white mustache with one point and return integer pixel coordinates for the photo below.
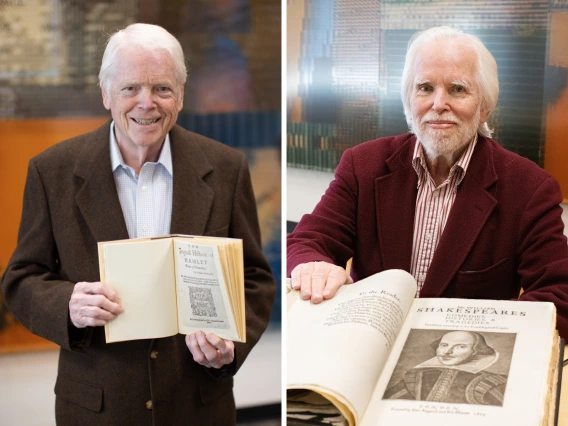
(448, 118)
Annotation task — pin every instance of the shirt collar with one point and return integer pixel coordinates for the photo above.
(116, 159)
(460, 167)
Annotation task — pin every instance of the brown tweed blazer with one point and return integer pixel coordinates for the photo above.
(70, 204)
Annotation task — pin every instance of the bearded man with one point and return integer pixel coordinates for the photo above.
(455, 375)
(445, 202)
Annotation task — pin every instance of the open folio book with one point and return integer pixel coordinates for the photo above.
(374, 354)
(175, 284)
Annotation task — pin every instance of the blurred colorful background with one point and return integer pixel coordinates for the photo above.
(345, 59)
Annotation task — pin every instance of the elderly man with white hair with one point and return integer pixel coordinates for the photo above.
(464, 216)
(139, 175)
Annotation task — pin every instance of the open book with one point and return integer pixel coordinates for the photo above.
(374, 354)
(175, 284)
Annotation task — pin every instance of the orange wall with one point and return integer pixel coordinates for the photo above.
(556, 142)
(556, 139)
(19, 141)
(295, 16)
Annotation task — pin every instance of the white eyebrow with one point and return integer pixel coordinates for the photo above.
(461, 83)
(421, 81)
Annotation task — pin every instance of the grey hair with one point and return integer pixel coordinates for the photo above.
(487, 75)
(145, 36)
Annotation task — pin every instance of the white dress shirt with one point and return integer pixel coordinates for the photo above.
(146, 199)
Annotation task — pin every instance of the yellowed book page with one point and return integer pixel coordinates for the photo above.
(472, 362)
(222, 244)
(341, 344)
(227, 266)
(234, 273)
(291, 297)
(236, 287)
(240, 280)
(231, 283)
(340, 404)
(142, 273)
(553, 384)
(203, 302)
(563, 402)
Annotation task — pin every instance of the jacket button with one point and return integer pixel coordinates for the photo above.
(154, 354)
(149, 405)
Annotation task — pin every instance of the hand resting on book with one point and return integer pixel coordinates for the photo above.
(210, 350)
(93, 304)
(318, 280)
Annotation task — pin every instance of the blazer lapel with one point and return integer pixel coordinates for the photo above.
(471, 210)
(395, 201)
(97, 197)
(192, 196)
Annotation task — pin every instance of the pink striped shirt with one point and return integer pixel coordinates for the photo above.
(433, 205)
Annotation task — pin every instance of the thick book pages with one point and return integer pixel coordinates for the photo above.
(561, 347)
(375, 355)
(175, 284)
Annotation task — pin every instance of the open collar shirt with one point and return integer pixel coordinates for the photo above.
(433, 205)
(146, 199)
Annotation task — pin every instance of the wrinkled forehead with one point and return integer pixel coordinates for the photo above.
(143, 66)
(135, 56)
(447, 59)
(458, 338)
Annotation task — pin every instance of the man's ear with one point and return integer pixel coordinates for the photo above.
(483, 113)
(106, 100)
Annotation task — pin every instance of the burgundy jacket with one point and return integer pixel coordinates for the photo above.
(504, 231)
(71, 203)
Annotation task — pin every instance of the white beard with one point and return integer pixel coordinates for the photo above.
(446, 142)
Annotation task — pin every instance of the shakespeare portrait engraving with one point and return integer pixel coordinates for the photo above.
(453, 366)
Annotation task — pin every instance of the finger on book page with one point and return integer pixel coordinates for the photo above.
(319, 280)
(336, 278)
(306, 280)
